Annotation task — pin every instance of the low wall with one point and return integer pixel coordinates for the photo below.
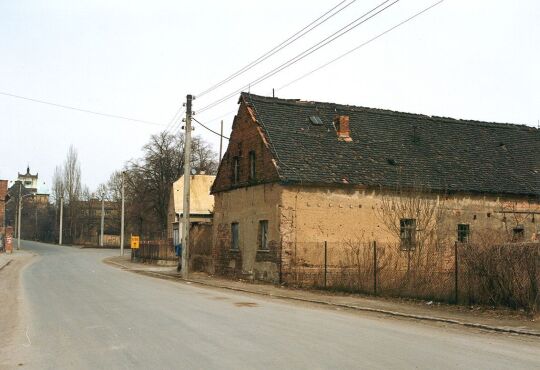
(200, 248)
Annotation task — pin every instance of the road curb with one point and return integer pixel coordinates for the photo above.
(341, 305)
(5, 264)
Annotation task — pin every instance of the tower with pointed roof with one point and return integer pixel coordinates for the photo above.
(28, 180)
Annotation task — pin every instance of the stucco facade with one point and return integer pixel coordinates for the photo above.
(301, 216)
(272, 198)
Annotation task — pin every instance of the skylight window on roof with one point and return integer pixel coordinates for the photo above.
(316, 120)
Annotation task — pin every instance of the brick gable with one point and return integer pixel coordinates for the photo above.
(247, 137)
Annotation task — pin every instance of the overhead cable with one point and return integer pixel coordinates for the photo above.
(359, 46)
(342, 31)
(209, 129)
(80, 109)
(310, 27)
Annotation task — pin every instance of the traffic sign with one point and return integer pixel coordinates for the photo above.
(135, 241)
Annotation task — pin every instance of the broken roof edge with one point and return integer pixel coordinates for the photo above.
(265, 137)
(355, 108)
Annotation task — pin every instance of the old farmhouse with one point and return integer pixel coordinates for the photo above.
(297, 172)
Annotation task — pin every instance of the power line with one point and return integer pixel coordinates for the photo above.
(209, 129)
(280, 46)
(80, 109)
(342, 31)
(174, 120)
(360, 46)
(178, 128)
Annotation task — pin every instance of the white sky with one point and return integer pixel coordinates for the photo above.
(463, 59)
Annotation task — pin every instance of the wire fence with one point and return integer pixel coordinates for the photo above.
(457, 273)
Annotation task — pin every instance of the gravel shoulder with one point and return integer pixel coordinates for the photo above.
(12, 310)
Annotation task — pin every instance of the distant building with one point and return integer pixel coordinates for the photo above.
(3, 200)
(32, 185)
(28, 180)
(201, 205)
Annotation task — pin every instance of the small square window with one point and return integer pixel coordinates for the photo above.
(463, 231)
(235, 240)
(407, 230)
(518, 233)
(263, 235)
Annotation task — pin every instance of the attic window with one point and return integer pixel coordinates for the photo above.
(316, 120)
(236, 170)
(391, 161)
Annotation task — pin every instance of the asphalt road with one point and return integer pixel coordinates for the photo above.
(79, 313)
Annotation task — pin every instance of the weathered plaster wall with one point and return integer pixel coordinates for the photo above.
(247, 206)
(312, 215)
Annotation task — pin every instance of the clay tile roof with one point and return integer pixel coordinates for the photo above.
(391, 148)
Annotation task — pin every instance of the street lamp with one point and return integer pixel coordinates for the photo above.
(102, 219)
(122, 220)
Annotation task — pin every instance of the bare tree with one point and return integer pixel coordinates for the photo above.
(57, 190)
(426, 209)
(67, 184)
(149, 179)
(72, 176)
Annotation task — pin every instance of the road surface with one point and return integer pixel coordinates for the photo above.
(78, 313)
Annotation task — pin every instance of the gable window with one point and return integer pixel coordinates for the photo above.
(518, 233)
(235, 240)
(236, 170)
(263, 235)
(252, 165)
(407, 232)
(463, 233)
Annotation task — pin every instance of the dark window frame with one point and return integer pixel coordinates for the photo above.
(235, 236)
(236, 170)
(463, 233)
(263, 235)
(518, 233)
(252, 165)
(407, 233)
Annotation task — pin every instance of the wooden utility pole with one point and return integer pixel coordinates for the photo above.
(122, 220)
(187, 178)
(19, 218)
(102, 219)
(61, 219)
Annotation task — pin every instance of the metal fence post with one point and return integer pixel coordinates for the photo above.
(325, 261)
(374, 267)
(456, 270)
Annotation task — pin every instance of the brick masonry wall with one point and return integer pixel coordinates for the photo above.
(200, 247)
(3, 194)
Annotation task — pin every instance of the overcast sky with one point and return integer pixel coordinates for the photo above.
(463, 59)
